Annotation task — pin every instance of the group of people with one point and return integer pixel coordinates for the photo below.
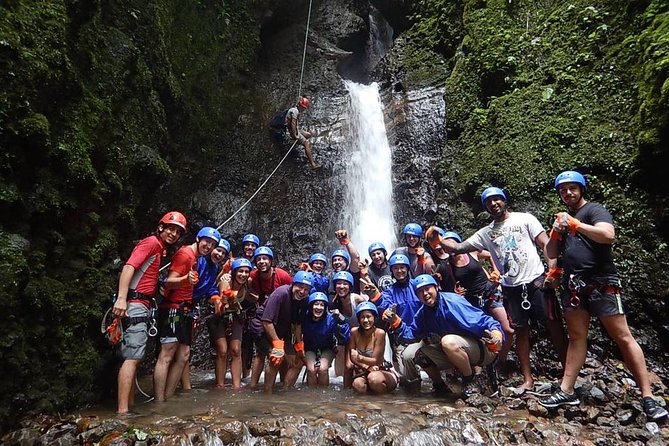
(441, 302)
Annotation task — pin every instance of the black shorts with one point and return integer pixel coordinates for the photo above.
(543, 303)
(175, 326)
(595, 298)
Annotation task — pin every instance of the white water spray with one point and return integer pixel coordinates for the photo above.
(369, 175)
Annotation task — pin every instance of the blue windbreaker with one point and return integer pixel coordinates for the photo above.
(206, 286)
(404, 296)
(453, 314)
(320, 334)
(321, 283)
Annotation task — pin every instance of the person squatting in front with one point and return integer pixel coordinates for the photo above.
(175, 321)
(135, 297)
(463, 336)
(512, 238)
(583, 236)
(364, 354)
(322, 332)
(280, 320)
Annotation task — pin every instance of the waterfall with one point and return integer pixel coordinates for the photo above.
(368, 212)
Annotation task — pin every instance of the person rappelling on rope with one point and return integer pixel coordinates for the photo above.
(285, 123)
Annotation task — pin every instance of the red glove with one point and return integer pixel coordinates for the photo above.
(230, 293)
(420, 255)
(304, 266)
(433, 237)
(495, 277)
(191, 278)
(390, 316)
(299, 348)
(567, 222)
(555, 235)
(493, 340)
(342, 236)
(277, 353)
(553, 277)
(370, 289)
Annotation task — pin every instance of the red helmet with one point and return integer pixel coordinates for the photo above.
(304, 102)
(174, 218)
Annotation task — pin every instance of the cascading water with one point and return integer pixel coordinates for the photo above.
(369, 209)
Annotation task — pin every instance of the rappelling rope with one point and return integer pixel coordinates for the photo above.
(304, 53)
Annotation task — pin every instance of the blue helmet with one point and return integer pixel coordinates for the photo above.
(303, 277)
(570, 176)
(225, 245)
(263, 251)
(375, 246)
(491, 192)
(342, 253)
(366, 306)
(452, 234)
(343, 275)
(318, 256)
(251, 238)
(413, 229)
(241, 262)
(422, 281)
(210, 232)
(318, 296)
(399, 259)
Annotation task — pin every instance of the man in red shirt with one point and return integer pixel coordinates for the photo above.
(136, 290)
(175, 322)
(266, 278)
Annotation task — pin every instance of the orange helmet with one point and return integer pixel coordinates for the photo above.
(304, 102)
(174, 218)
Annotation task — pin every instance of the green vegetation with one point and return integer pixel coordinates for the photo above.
(540, 86)
(101, 104)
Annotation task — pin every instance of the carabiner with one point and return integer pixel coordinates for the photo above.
(525, 304)
(574, 300)
(153, 330)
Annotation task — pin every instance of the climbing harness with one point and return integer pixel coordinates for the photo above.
(525, 304)
(575, 286)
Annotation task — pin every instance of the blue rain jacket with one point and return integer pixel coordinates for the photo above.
(320, 334)
(206, 286)
(405, 298)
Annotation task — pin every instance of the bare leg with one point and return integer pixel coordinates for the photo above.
(634, 358)
(176, 369)
(381, 382)
(360, 385)
(221, 362)
(499, 314)
(126, 382)
(236, 363)
(310, 156)
(165, 358)
(256, 369)
(295, 365)
(185, 377)
(578, 322)
(270, 376)
(323, 372)
(523, 353)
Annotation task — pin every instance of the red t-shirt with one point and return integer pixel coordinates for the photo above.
(267, 285)
(145, 258)
(183, 261)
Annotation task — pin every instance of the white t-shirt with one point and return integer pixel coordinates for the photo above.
(511, 244)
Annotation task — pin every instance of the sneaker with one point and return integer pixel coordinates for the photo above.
(560, 398)
(441, 389)
(471, 387)
(652, 409)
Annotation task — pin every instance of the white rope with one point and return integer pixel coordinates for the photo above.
(304, 53)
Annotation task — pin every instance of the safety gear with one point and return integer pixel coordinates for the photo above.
(495, 277)
(390, 316)
(570, 176)
(318, 256)
(454, 235)
(342, 253)
(230, 293)
(191, 278)
(434, 235)
(263, 251)
(413, 229)
(342, 236)
(303, 277)
(210, 232)
(377, 245)
(304, 102)
(114, 332)
(560, 398)
(368, 287)
(565, 222)
(555, 234)
(491, 192)
(174, 218)
(318, 297)
(304, 266)
(553, 278)
(493, 340)
(343, 275)
(366, 306)
(252, 238)
(422, 281)
(241, 262)
(420, 255)
(223, 243)
(299, 348)
(277, 353)
(399, 259)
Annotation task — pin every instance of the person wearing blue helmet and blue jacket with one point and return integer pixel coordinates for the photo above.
(583, 236)
(316, 264)
(322, 331)
(512, 240)
(463, 336)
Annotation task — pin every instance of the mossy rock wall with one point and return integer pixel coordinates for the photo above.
(106, 109)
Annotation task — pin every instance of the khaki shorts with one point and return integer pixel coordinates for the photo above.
(473, 348)
(135, 336)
